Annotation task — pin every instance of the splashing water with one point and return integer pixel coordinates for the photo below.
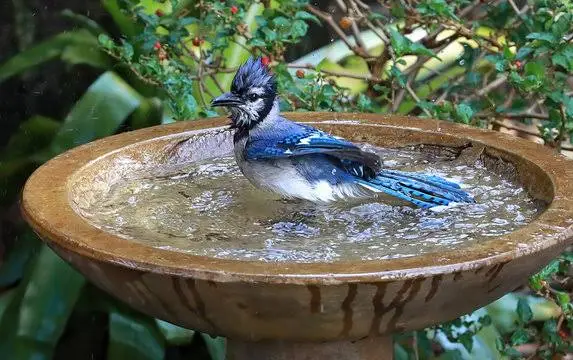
(210, 209)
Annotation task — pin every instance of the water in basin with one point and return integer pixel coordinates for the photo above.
(210, 209)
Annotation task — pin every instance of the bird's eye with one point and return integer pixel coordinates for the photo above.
(253, 97)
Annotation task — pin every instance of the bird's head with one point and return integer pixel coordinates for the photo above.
(252, 94)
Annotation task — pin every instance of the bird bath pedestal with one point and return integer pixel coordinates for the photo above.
(291, 311)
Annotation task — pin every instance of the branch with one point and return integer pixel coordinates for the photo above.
(522, 115)
(369, 78)
(330, 21)
(490, 87)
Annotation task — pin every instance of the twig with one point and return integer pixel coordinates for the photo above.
(330, 21)
(491, 86)
(354, 26)
(415, 97)
(523, 115)
(369, 78)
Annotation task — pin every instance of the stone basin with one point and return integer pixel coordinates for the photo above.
(339, 310)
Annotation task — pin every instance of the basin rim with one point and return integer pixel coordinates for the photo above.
(46, 207)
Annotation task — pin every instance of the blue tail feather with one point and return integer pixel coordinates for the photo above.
(419, 189)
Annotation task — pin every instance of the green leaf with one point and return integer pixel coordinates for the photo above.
(270, 35)
(12, 268)
(84, 21)
(467, 340)
(563, 299)
(281, 22)
(33, 135)
(87, 55)
(520, 336)
(257, 42)
(299, 28)
(464, 113)
(215, 346)
(564, 58)
(542, 36)
(524, 311)
(404, 46)
(45, 51)
(133, 336)
(6, 297)
(536, 69)
(38, 315)
(173, 334)
(100, 112)
(303, 15)
(562, 25)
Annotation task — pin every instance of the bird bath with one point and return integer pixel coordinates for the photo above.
(284, 308)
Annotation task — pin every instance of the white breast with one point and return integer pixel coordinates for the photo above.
(282, 178)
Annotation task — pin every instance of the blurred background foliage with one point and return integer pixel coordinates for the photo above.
(73, 72)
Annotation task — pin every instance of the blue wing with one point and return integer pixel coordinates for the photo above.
(306, 140)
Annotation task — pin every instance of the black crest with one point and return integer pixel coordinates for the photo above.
(254, 74)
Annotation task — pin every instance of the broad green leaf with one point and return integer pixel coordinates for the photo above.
(12, 269)
(88, 55)
(107, 103)
(32, 135)
(216, 347)
(6, 297)
(84, 21)
(39, 313)
(173, 334)
(51, 293)
(133, 336)
(47, 50)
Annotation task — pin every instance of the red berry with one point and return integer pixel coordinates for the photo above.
(197, 41)
(234, 9)
(265, 60)
(159, 12)
(300, 74)
(157, 45)
(518, 64)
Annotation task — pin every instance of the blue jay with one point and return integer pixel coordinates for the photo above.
(301, 162)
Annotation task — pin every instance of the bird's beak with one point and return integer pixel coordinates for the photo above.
(227, 99)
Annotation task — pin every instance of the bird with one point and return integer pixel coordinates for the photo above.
(298, 161)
